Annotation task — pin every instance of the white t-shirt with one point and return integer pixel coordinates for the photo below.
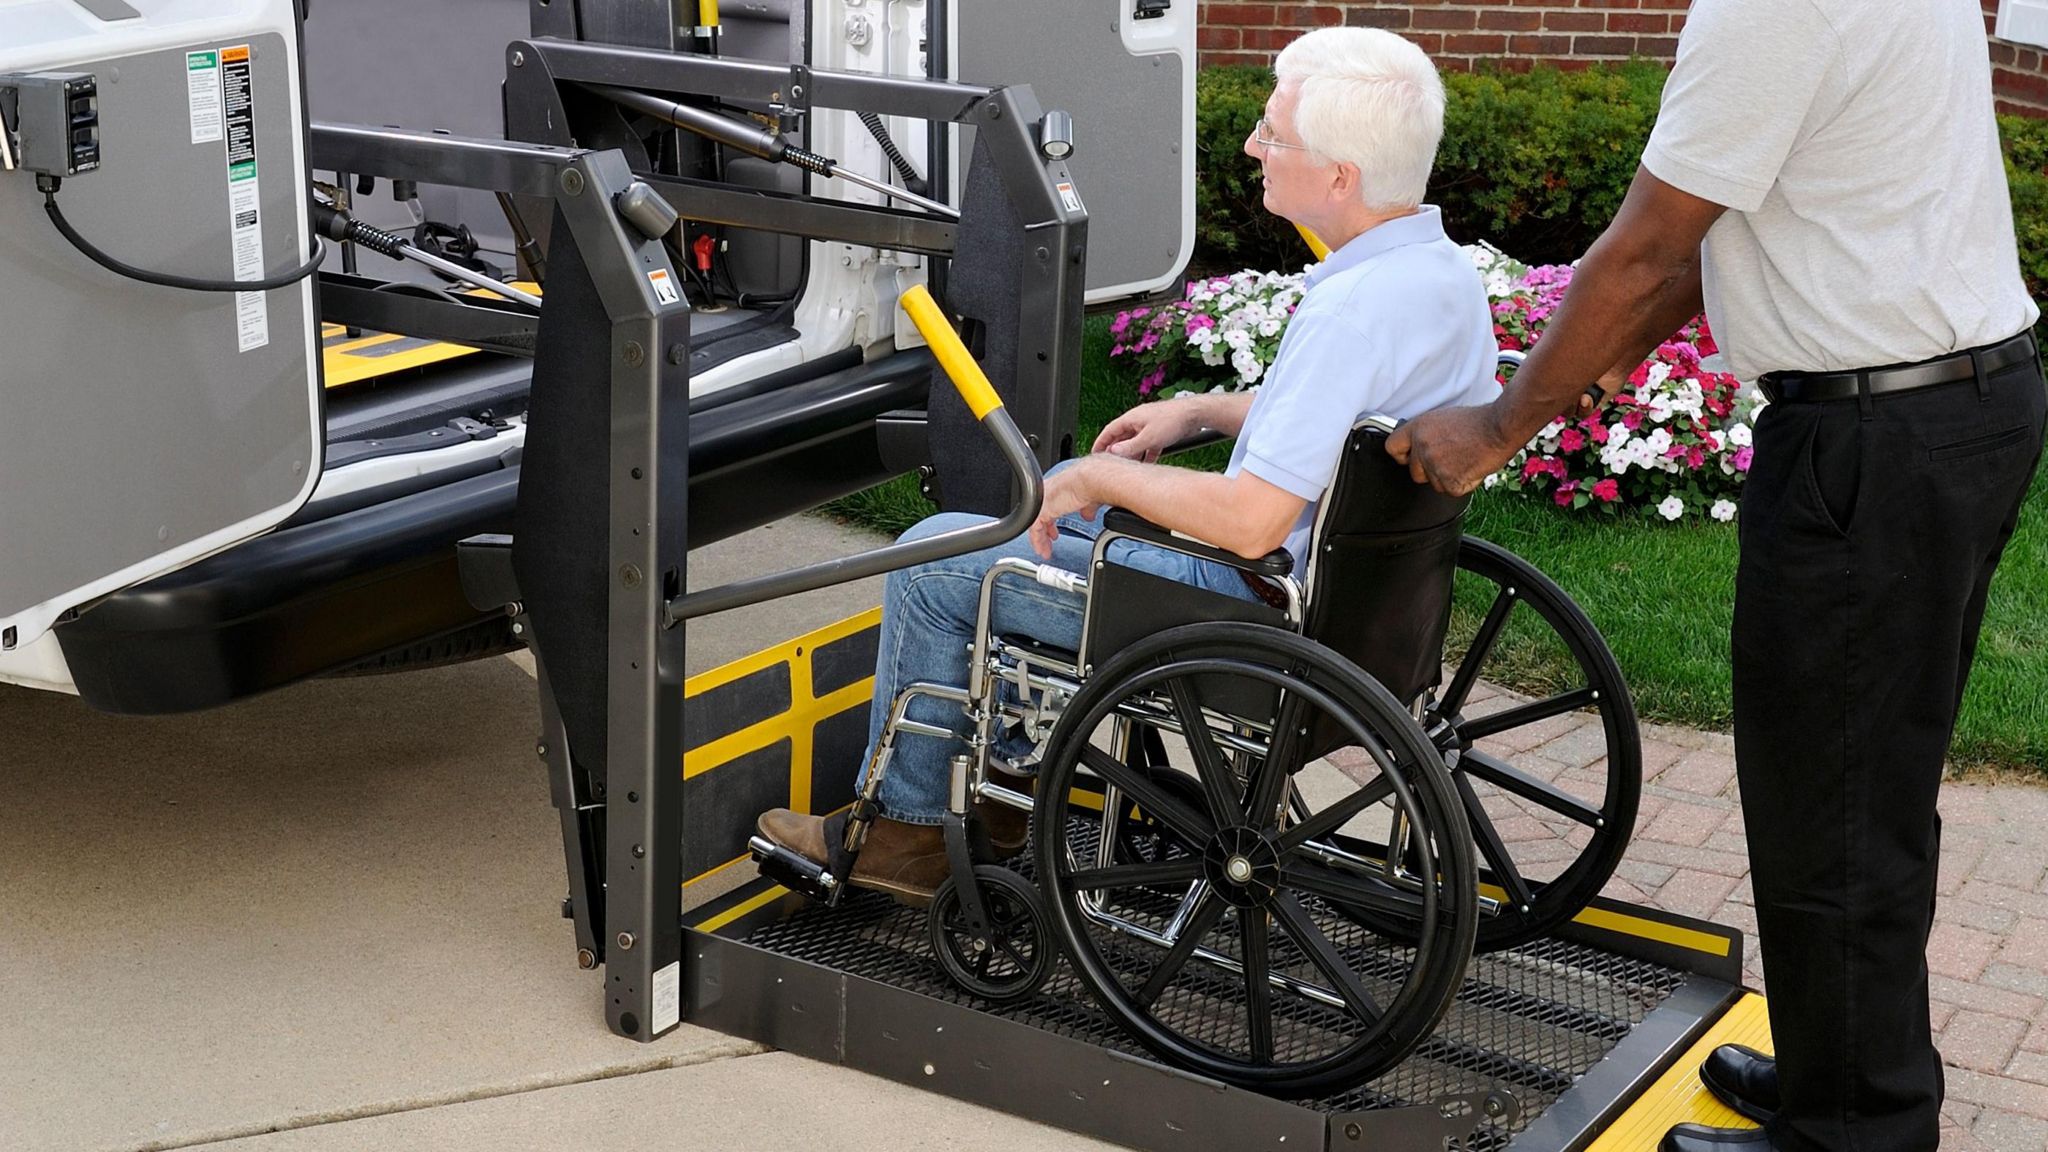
(1855, 143)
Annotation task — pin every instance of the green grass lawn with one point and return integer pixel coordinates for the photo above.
(1661, 594)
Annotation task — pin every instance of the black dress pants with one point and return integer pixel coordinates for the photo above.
(1870, 530)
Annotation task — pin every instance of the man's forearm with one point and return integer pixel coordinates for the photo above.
(1198, 504)
(1222, 411)
(1664, 316)
(1602, 322)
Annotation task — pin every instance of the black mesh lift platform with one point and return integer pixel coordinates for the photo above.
(1545, 1046)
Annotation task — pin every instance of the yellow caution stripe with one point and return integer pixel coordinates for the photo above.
(951, 354)
(714, 923)
(1678, 1097)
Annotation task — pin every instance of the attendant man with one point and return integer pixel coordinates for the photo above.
(1395, 321)
(1825, 176)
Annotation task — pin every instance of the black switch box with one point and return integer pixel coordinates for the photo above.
(57, 118)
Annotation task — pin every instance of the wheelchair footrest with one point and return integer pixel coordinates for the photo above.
(791, 870)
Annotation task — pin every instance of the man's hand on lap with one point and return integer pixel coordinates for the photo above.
(1068, 491)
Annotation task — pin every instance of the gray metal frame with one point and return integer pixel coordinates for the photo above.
(622, 819)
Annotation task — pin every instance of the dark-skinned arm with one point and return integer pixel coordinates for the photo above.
(1636, 285)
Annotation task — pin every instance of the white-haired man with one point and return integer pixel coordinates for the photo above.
(1395, 321)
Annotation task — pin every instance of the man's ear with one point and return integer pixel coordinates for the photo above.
(1344, 181)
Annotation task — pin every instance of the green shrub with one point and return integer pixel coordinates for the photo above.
(2026, 170)
(1534, 163)
(1538, 163)
(1233, 230)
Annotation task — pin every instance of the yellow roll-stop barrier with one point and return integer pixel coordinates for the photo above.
(951, 354)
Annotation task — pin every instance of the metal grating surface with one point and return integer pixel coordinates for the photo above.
(1531, 1020)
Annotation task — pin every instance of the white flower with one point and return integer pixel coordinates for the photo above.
(1248, 367)
(1738, 435)
(1617, 434)
(1723, 510)
(1203, 337)
(1212, 354)
(1238, 339)
(1270, 326)
(1672, 508)
(1659, 372)
(1656, 443)
(1492, 478)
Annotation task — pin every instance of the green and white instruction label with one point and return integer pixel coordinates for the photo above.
(245, 195)
(202, 92)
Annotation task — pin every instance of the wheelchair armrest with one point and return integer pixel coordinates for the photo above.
(1125, 522)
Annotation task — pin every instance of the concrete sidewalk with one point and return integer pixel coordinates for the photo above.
(325, 919)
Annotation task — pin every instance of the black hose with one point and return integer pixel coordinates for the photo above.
(880, 132)
(165, 280)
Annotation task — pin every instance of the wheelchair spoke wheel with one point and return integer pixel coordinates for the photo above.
(1227, 941)
(1549, 780)
(1016, 955)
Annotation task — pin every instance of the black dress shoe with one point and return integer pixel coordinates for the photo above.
(1700, 1138)
(1744, 1079)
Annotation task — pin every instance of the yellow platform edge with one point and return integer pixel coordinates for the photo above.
(1678, 1097)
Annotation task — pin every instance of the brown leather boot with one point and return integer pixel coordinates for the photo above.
(908, 861)
(1007, 826)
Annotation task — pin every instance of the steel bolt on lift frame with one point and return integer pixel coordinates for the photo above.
(606, 476)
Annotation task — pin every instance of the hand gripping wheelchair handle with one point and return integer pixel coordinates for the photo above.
(966, 375)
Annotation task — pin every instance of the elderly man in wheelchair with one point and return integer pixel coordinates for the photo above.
(1168, 669)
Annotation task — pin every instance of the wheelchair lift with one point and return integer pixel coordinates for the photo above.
(1545, 1043)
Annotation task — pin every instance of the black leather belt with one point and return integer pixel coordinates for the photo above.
(1272, 594)
(1812, 387)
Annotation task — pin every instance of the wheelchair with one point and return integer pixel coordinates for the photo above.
(1268, 840)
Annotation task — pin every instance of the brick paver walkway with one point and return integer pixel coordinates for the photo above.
(1989, 955)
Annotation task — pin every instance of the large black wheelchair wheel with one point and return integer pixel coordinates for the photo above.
(1231, 944)
(1549, 783)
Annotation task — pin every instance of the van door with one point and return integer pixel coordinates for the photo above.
(1125, 71)
(143, 427)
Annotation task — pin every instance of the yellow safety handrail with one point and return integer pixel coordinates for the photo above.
(951, 353)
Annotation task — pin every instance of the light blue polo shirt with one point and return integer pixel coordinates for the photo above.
(1395, 323)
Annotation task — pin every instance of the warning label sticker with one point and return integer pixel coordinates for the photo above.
(202, 92)
(664, 286)
(668, 998)
(1068, 196)
(245, 195)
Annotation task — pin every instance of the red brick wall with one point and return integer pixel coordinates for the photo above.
(1517, 33)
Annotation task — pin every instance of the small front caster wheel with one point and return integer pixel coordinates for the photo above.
(1016, 955)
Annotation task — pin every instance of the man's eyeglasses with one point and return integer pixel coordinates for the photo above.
(1262, 136)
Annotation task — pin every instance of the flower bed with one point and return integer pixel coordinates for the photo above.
(1676, 441)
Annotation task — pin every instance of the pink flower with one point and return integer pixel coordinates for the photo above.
(1563, 495)
(1197, 322)
(1632, 420)
(1121, 324)
(1742, 456)
(1148, 341)
(1594, 429)
(1608, 490)
(1571, 440)
(1151, 381)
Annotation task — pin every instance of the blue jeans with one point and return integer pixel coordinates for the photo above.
(928, 622)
